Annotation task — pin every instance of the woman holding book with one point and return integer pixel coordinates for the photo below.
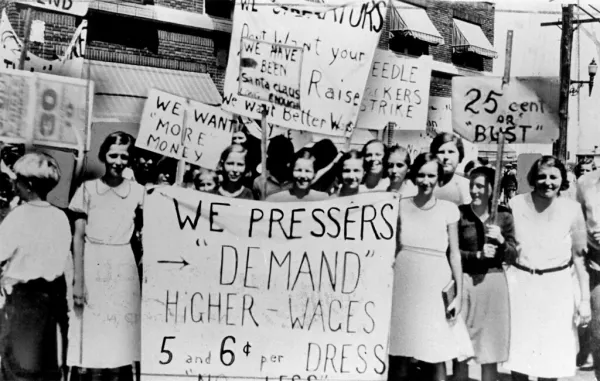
(427, 267)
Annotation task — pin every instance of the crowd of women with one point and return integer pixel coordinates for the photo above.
(519, 277)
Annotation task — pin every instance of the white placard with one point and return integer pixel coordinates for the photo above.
(206, 133)
(526, 109)
(338, 44)
(256, 290)
(397, 91)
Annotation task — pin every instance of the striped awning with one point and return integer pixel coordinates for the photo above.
(120, 90)
(411, 21)
(468, 37)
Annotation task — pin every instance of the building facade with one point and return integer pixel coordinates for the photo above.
(181, 47)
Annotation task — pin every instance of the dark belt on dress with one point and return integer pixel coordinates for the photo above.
(544, 271)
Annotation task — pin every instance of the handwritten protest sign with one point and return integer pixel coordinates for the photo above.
(270, 72)
(69, 65)
(337, 43)
(45, 109)
(397, 91)
(439, 117)
(200, 141)
(72, 7)
(242, 289)
(526, 109)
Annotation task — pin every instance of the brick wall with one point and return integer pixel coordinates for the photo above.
(184, 5)
(162, 46)
(442, 14)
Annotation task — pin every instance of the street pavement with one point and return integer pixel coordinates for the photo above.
(584, 374)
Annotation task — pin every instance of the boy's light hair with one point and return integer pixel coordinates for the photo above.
(40, 170)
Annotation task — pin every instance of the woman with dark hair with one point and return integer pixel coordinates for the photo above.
(350, 169)
(584, 166)
(375, 156)
(303, 173)
(397, 164)
(326, 155)
(422, 327)
(543, 309)
(280, 154)
(484, 247)
(450, 150)
(509, 185)
(104, 328)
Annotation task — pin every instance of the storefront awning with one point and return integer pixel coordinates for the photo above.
(468, 37)
(411, 21)
(120, 90)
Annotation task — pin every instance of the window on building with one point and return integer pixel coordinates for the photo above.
(219, 8)
(409, 46)
(128, 32)
(468, 60)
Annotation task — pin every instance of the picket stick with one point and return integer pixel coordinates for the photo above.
(390, 133)
(500, 148)
(181, 164)
(263, 153)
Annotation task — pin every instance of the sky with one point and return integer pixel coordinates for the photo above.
(536, 52)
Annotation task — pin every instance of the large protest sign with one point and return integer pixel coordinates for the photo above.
(270, 72)
(200, 140)
(69, 65)
(397, 91)
(526, 109)
(45, 109)
(337, 44)
(255, 290)
(72, 7)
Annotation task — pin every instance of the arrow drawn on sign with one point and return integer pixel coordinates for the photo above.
(183, 262)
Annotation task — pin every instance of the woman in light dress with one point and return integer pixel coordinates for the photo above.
(422, 328)
(551, 234)
(450, 150)
(104, 331)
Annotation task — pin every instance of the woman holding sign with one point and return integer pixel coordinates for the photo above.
(484, 248)
(104, 329)
(543, 308)
(422, 326)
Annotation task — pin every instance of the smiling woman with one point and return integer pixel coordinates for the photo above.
(552, 236)
(106, 273)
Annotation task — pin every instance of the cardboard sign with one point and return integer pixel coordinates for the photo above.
(244, 289)
(337, 44)
(71, 7)
(69, 65)
(270, 72)
(439, 117)
(526, 109)
(207, 130)
(45, 109)
(397, 91)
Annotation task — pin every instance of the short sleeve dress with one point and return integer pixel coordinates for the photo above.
(456, 191)
(542, 306)
(111, 332)
(419, 326)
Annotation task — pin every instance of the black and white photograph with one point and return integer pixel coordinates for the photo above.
(299, 190)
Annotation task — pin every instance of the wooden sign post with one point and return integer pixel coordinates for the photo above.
(263, 150)
(501, 138)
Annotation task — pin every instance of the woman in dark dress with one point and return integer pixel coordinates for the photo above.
(484, 247)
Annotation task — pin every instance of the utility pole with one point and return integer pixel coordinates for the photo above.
(566, 47)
